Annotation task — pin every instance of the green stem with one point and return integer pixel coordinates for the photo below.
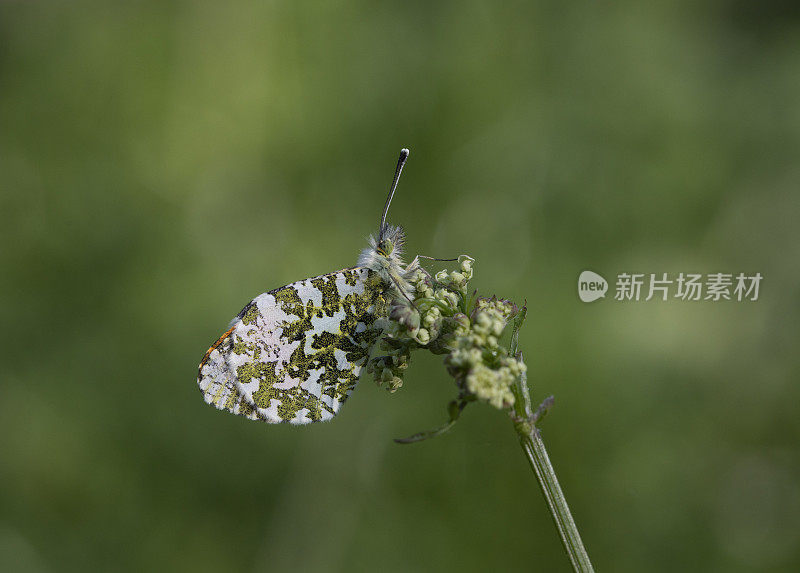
(531, 441)
(534, 449)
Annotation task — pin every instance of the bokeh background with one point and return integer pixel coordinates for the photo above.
(161, 163)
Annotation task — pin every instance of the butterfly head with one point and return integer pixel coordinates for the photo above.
(391, 240)
(385, 252)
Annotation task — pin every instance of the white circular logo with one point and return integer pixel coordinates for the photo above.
(591, 286)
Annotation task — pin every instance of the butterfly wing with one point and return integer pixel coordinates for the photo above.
(294, 354)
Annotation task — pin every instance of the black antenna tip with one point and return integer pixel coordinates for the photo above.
(400, 162)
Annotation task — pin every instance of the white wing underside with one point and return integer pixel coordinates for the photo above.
(294, 354)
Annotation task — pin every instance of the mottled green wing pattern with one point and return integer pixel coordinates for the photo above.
(294, 354)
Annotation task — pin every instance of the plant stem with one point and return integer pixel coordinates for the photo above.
(536, 453)
(531, 441)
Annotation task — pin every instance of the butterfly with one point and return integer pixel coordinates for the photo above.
(294, 354)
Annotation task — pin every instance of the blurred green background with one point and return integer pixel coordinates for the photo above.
(162, 163)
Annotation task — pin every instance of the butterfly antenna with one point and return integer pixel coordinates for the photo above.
(435, 259)
(400, 162)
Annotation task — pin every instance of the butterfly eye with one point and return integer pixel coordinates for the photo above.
(385, 247)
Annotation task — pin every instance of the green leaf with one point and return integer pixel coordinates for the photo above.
(454, 409)
(518, 320)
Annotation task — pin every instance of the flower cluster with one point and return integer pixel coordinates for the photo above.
(478, 362)
(444, 319)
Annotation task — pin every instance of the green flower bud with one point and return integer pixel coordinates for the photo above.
(394, 384)
(490, 386)
(447, 297)
(405, 315)
(461, 324)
